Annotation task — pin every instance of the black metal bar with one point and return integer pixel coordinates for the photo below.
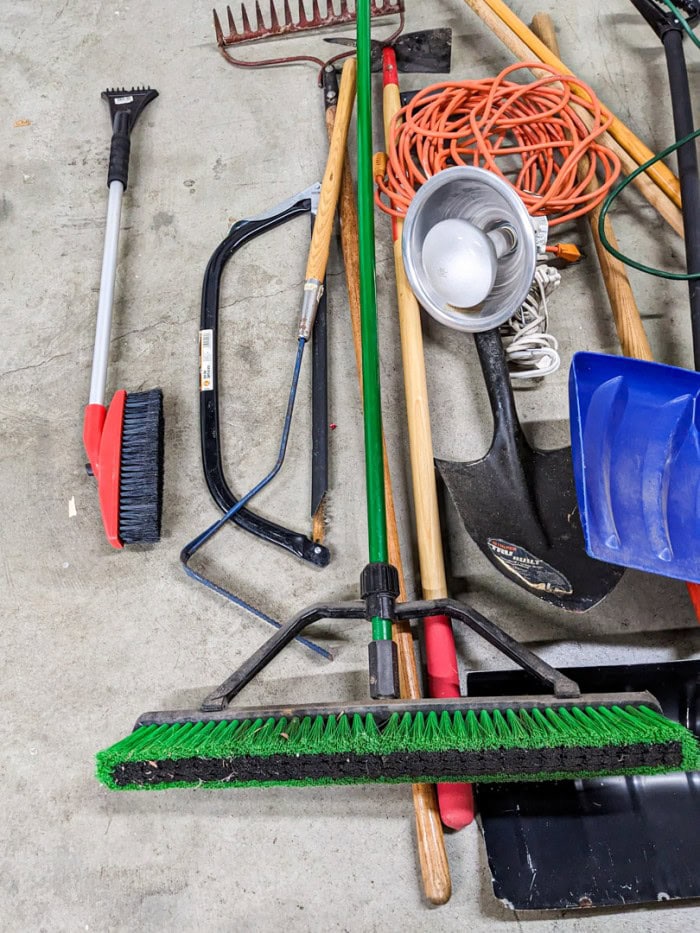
(687, 171)
(490, 632)
(319, 402)
(382, 711)
(561, 685)
(225, 692)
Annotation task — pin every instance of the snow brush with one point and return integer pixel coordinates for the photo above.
(555, 735)
(124, 442)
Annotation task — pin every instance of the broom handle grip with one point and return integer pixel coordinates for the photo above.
(507, 25)
(430, 842)
(100, 355)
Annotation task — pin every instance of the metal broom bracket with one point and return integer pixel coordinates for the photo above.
(560, 685)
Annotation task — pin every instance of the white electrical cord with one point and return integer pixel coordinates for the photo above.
(531, 352)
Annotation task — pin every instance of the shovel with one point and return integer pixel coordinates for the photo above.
(519, 505)
(634, 424)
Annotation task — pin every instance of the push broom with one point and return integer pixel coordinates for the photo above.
(558, 734)
(124, 442)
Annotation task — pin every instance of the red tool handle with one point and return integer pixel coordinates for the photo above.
(102, 438)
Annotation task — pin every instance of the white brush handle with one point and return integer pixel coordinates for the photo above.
(100, 354)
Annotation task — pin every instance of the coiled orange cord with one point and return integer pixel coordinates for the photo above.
(527, 133)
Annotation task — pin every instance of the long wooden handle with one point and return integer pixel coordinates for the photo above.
(435, 869)
(456, 800)
(654, 195)
(542, 26)
(430, 552)
(662, 176)
(628, 320)
(330, 186)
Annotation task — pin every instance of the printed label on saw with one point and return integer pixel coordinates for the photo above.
(535, 573)
(206, 360)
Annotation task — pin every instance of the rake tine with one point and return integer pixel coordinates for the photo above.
(260, 26)
(247, 28)
(338, 13)
(217, 29)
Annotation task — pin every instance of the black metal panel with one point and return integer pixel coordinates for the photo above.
(600, 843)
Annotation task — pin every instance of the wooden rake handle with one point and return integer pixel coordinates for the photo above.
(628, 321)
(512, 25)
(435, 869)
(666, 206)
(330, 186)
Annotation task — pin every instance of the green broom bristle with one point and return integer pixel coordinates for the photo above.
(512, 745)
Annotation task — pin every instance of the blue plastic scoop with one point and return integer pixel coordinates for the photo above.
(636, 457)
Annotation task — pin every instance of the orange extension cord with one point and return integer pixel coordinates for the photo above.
(531, 130)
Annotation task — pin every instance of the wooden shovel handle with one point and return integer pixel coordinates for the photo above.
(628, 320)
(330, 186)
(512, 25)
(542, 26)
(435, 869)
(456, 801)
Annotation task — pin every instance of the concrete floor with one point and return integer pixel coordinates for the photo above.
(92, 636)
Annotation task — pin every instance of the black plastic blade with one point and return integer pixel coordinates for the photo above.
(609, 842)
(130, 102)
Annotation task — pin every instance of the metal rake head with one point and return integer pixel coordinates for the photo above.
(289, 24)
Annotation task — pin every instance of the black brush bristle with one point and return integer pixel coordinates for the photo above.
(141, 472)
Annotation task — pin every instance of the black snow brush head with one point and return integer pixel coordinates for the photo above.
(141, 469)
(125, 447)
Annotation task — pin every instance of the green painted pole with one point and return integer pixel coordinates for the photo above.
(371, 393)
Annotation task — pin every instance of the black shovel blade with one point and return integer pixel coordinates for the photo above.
(607, 842)
(519, 504)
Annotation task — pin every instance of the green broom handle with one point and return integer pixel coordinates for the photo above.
(371, 393)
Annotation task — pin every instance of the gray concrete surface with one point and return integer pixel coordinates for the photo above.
(92, 637)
